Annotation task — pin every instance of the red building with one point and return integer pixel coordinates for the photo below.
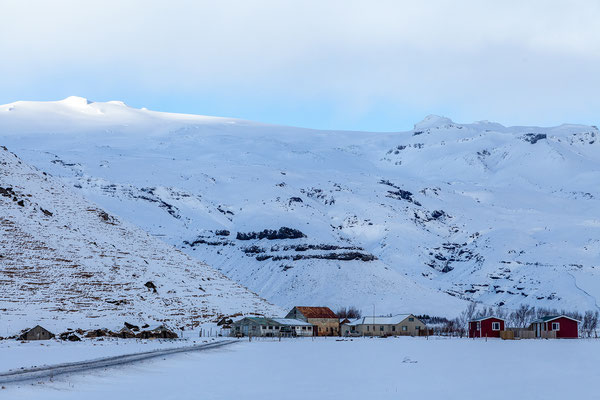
(486, 327)
(565, 327)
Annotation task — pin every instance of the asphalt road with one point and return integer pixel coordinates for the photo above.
(50, 371)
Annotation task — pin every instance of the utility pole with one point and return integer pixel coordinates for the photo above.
(373, 319)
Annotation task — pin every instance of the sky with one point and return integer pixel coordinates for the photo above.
(360, 65)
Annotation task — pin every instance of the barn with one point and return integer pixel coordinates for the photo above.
(324, 321)
(555, 326)
(36, 333)
(486, 327)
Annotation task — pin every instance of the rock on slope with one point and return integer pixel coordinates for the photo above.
(66, 263)
(416, 221)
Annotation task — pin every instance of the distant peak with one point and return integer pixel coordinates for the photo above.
(433, 121)
(118, 103)
(76, 101)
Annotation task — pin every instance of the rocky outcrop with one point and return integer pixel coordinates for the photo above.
(270, 234)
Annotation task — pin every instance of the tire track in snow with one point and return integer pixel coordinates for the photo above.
(50, 371)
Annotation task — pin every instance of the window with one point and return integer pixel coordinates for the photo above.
(270, 327)
(495, 326)
(556, 326)
(404, 328)
(411, 319)
(368, 328)
(264, 327)
(417, 327)
(303, 328)
(478, 328)
(381, 328)
(394, 328)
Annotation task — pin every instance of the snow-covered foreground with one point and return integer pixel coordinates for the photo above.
(300, 369)
(15, 355)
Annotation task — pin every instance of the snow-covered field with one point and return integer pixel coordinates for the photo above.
(361, 368)
(15, 355)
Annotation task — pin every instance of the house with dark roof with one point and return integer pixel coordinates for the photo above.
(486, 327)
(555, 326)
(325, 322)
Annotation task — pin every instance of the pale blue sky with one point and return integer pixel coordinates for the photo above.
(364, 65)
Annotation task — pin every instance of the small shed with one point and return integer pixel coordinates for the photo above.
(36, 333)
(486, 327)
(559, 326)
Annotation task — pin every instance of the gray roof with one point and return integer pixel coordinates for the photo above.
(291, 322)
(393, 320)
(274, 321)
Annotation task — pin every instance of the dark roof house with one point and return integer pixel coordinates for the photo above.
(313, 312)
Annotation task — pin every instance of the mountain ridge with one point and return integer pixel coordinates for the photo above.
(479, 212)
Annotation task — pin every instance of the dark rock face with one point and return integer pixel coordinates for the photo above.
(533, 138)
(222, 232)
(207, 242)
(270, 234)
(7, 192)
(134, 328)
(399, 193)
(306, 247)
(437, 214)
(253, 250)
(295, 200)
(151, 286)
(347, 256)
(448, 254)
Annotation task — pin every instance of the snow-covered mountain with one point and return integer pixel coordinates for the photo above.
(67, 263)
(416, 221)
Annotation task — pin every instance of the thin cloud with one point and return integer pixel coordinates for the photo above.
(513, 61)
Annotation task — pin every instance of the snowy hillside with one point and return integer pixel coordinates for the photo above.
(66, 263)
(416, 221)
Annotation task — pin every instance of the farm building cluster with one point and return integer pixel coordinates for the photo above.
(322, 321)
